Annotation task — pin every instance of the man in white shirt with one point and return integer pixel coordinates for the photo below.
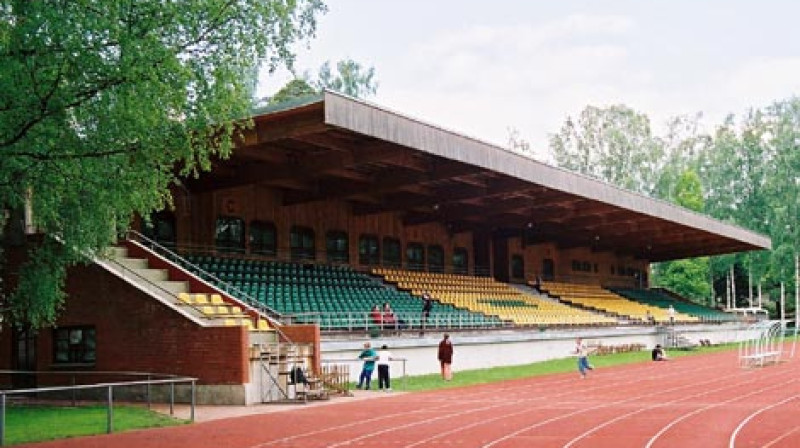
(382, 359)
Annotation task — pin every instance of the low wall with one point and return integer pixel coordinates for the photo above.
(494, 349)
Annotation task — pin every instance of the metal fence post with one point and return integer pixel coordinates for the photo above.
(194, 400)
(110, 422)
(172, 399)
(2, 419)
(148, 391)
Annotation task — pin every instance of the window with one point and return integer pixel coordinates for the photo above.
(161, 228)
(301, 243)
(435, 258)
(74, 345)
(263, 238)
(369, 251)
(415, 257)
(392, 254)
(517, 266)
(337, 246)
(460, 260)
(229, 235)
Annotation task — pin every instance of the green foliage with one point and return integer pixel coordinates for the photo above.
(296, 88)
(688, 277)
(26, 424)
(614, 144)
(101, 101)
(350, 79)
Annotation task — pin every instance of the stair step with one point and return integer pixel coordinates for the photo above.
(133, 263)
(154, 275)
(174, 287)
(118, 252)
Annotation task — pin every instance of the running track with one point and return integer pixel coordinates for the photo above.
(698, 401)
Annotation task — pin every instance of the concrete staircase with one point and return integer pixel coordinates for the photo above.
(213, 311)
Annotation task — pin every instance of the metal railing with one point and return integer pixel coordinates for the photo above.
(201, 273)
(109, 387)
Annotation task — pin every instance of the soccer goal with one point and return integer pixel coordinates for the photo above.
(762, 345)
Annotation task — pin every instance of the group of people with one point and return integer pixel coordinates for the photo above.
(385, 317)
(382, 357)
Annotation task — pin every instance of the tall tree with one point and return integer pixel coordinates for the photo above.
(101, 101)
(350, 78)
(614, 144)
(688, 277)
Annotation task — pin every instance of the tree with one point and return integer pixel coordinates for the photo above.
(104, 104)
(613, 144)
(350, 78)
(688, 277)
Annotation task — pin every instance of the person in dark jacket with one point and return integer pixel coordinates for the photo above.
(427, 306)
(446, 357)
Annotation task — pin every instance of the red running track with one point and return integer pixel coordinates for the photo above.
(698, 401)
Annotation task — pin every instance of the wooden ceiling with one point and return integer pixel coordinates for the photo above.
(301, 151)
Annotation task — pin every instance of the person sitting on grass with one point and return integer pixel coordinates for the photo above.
(658, 354)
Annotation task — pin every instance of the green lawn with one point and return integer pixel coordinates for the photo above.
(38, 423)
(482, 376)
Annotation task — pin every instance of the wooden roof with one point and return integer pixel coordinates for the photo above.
(333, 147)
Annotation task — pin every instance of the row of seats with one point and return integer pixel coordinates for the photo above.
(213, 306)
(662, 300)
(488, 296)
(339, 292)
(595, 297)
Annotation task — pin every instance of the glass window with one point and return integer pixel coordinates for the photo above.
(460, 260)
(301, 243)
(161, 228)
(337, 246)
(229, 235)
(435, 258)
(263, 238)
(517, 266)
(369, 250)
(392, 253)
(415, 257)
(74, 345)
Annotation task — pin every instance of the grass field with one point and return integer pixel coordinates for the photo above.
(26, 423)
(490, 375)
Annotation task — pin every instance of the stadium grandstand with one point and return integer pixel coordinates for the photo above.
(331, 208)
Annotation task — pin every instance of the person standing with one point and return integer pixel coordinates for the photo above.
(427, 306)
(671, 312)
(383, 357)
(446, 357)
(582, 352)
(368, 355)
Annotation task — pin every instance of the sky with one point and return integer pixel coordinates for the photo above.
(481, 68)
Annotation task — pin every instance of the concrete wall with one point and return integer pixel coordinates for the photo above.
(512, 348)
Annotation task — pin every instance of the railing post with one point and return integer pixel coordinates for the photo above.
(194, 401)
(110, 420)
(172, 399)
(2, 419)
(149, 378)
(74, 392)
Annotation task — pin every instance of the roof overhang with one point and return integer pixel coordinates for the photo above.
(335, 147)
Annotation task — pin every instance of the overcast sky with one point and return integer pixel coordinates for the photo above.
(482, 67)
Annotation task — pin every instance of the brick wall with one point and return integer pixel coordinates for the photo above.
(137, 333)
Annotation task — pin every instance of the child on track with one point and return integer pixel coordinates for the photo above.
(582, 352)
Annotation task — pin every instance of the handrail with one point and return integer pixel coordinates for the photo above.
(242, 296)
(110, 393)
(249, 300)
